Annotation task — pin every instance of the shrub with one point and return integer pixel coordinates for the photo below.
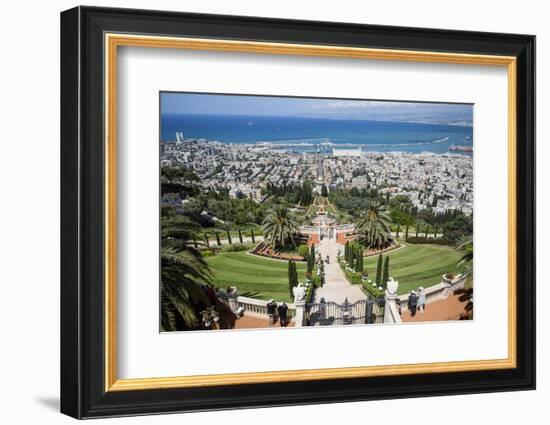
(316, 281)
(303, 251)
(207, 253)
(237, 247)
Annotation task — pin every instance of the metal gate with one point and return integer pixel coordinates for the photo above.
(333, 314)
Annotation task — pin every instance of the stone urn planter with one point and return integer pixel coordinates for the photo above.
(392, 286)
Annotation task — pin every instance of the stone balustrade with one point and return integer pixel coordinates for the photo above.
(345, 227)
(338, 228)
(254, 307)
(391, 312)
(309, 229)
(440, 291)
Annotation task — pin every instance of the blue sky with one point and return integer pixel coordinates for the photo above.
(181, 103)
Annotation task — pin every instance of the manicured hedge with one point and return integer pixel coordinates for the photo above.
(372, 290)
(355, 279)
(433, 241)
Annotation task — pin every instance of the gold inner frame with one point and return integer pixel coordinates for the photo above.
(113, 41)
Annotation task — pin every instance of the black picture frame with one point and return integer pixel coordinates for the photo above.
(83, 392)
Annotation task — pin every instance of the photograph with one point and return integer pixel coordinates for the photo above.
(283, 212)
(235, 187)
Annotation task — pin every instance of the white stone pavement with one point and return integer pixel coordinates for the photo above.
(336, 287)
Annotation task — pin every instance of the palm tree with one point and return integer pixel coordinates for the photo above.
(374, 226)
(466, 245)
(183, 276)
(279, 227)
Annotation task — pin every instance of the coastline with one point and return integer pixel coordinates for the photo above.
(308, 134)
(328, 148)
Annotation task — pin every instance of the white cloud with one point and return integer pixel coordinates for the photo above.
(364, 104)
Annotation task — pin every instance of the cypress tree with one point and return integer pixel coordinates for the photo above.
(291, 276)
(379, 270)
(218, 239)
(252, 235)
(386, 274)
(229, 237)
(240, 236)
(310, 263)
(346, 252)
(359, 261)
(312, 253)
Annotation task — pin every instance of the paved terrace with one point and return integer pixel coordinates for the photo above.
(448, 309)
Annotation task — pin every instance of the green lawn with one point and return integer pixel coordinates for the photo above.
(417, 265)
(253, 276)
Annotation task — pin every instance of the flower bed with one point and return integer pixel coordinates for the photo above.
(371, 252)
(264, 250)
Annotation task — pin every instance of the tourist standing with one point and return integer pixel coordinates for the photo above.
(282, 309)
(421, 300)
(398, 304)
(271, 309)
(211, 293)
(322, 311)
(413, 302)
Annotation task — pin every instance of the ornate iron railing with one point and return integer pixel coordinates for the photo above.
(330, 313)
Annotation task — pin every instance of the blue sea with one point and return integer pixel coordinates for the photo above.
(378, 136)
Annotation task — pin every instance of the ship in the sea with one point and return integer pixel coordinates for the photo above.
(462, 148)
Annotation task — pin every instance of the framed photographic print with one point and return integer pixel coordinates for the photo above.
(261, 212)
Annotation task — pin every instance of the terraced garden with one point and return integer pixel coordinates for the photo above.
(418, 265)
(253, 276)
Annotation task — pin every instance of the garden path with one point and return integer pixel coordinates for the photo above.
(336, 287)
